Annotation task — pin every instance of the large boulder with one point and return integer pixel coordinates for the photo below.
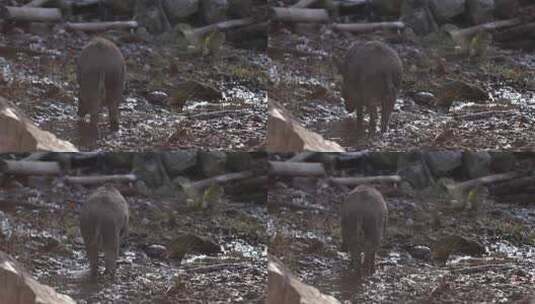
(19, 134)
(178, 9)
(149, 16)
(442, 163)
(387, 7)
(284, 288)
(213, 11)
(178, 162)
(476, 164)
(480, 11)
(240, 8)
(502, 161)
(506, 9)
(418, 16)
(122, 7)
(18, 287)
(446, 10)
(212, 163)
(285, 134)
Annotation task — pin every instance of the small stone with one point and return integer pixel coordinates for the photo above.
(157, 97)
(156, 251)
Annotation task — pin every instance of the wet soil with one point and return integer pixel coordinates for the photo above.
(42, 221)
(305, 80)
(38, 74)
(307, 237)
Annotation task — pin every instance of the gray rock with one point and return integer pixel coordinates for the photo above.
(212, 163)
(424, 98)
(420, 252)
(213, 11)
(240, 8)
(148, 15)
(156, 251)
(476, 164)
(480, 11)
(281, 283)
(387, 7)
(157, 97)
(179, 9)
(18, 286)
(383, 160)
(418, 16)
(506, 9)
(148, 167)
(441, 163)
(444, 10)
(416, 175)
(502, 161)
(177, 162)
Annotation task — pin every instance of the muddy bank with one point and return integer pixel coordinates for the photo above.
(38, 74)
(429, 112)
(39, 222)
(306, 235)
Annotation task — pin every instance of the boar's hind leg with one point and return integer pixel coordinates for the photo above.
(111, 250)
(373, 119)
(91, 247)
(388, 107)
(359, 108)
(369, 261)
(114, 116)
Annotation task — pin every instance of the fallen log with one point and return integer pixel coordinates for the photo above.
(304, 3)
(354, 181)
(101, 26)
(281, 168)
(352, 156)
(221, 179)
(216, 114)
(368, 27)
(289, 14)
(34, 14)
(520, 31)
(465, 34)
(197, 33)
(486, 114)
(218, 267)
(36, 3)
(515, 186)
(485, 180)
(100, 179)
(23, 167)
(301, 157)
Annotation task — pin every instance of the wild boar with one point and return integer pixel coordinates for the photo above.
(364, 215)
(101, 75)
(372, 77)
(103, 224)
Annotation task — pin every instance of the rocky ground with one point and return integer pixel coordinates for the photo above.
(39, 224)
(307, 237)
(305, 80)
(38, 74)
